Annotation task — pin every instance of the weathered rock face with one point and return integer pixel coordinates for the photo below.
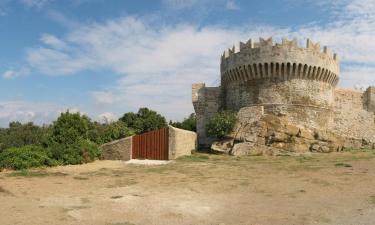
(257, 133)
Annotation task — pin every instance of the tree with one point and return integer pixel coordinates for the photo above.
(221, 124)
(189, 123)
(18, 135)
(103, 133)
(70, 128)
(69, 140)
(144, 120)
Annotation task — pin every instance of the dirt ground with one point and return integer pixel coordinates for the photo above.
(334, 188)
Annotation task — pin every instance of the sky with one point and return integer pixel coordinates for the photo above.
(104, 58)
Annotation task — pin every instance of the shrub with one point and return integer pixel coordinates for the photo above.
(189, 123)
(90, 151)
(70, 128)
(221, 124)
(82, 152)
(144, 120)
(18, 135)
(104, 133)
(25, 157)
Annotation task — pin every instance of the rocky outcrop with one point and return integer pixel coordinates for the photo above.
(257, 133)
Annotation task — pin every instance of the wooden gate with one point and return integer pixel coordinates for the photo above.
(151, 145)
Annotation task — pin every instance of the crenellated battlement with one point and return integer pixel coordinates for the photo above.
(285, 43)
(286, 60)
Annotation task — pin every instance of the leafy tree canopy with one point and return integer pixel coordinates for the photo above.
(70, 128)
(18, 135)
(189, 123)
(144, 120)
(221, 124)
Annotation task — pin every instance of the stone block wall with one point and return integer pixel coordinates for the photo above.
(117, 150)
(181, 142)
(206, 102)
(352, 115)
(369, 97)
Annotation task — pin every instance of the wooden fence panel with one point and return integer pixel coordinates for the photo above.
(151, 145)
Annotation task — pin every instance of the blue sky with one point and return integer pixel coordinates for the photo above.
(107, 57)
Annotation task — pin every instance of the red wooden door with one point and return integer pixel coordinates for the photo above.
(151, 145)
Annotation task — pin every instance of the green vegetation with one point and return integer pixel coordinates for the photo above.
(71, 139)
(104, 133)
(221, 124)
(143, 121)
(189, 123)
(18, 135)
(25, 157)
(38, 173)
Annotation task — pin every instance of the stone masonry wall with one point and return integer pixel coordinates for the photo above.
(117, 150)
(350, 115)
(181, 142)
(307, 102)
(206, 101)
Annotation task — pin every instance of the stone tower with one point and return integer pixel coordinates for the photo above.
(296, 83)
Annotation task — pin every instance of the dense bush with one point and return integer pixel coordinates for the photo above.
(144, 120)
(83, 151)
(104, 133)
(18, 135)
(25, 157)
(69, 141)
(221, 124)
(189, 123)
(70, 128)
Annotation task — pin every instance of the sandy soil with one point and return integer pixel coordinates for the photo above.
(321, 189)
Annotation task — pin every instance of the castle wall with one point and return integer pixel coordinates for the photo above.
(306, 102)
(369, 99)
(293, 83)
(206, 102)
(350, 116)
(285, 60)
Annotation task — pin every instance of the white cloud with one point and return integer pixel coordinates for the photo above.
(53, 41)
(26, 112)
(104, 97)
(37, 112)
(35, 3)
(204, 5)
(232, 5)
(107, 117)
(180, 4)
(12, 74)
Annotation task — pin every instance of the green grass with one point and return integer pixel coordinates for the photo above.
(35, 173)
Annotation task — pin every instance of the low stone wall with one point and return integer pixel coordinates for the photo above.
(117, 150)
(181, 142)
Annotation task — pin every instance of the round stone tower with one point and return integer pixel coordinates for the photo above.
(287, 80)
